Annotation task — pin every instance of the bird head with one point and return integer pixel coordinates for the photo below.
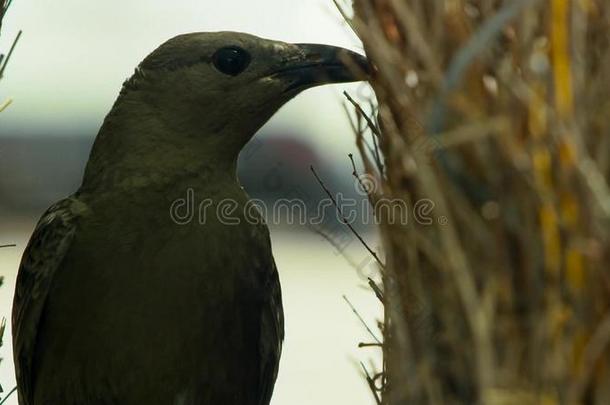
(237, 81)
(211, 92)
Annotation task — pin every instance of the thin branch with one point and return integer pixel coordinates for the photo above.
(344, 220)
(361, 345)
(374, 150)
(371, 197)
(343, 13)
(376, 290)
(371, 383)
(4, 6)
(357, 130)
(369, 121)
(10, 52)
(355, 311)
(5, 104)
(8, 395)
(376, 139)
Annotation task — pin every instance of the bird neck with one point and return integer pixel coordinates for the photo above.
(137, 148)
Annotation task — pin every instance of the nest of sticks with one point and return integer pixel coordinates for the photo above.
(495, 114)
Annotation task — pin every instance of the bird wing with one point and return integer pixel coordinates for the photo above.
(41, 259)
(271, 336)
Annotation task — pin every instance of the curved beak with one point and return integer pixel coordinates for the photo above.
(323, 64)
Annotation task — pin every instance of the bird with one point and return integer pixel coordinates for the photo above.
(119, 303)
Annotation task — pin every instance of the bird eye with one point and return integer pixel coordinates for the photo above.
(231, 60)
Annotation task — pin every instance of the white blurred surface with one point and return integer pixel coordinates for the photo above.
(320, 359)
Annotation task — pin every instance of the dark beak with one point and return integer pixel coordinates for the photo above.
(324, 64)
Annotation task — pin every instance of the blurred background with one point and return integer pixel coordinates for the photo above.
(64, 76)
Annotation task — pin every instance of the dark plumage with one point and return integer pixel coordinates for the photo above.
(117, 302)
